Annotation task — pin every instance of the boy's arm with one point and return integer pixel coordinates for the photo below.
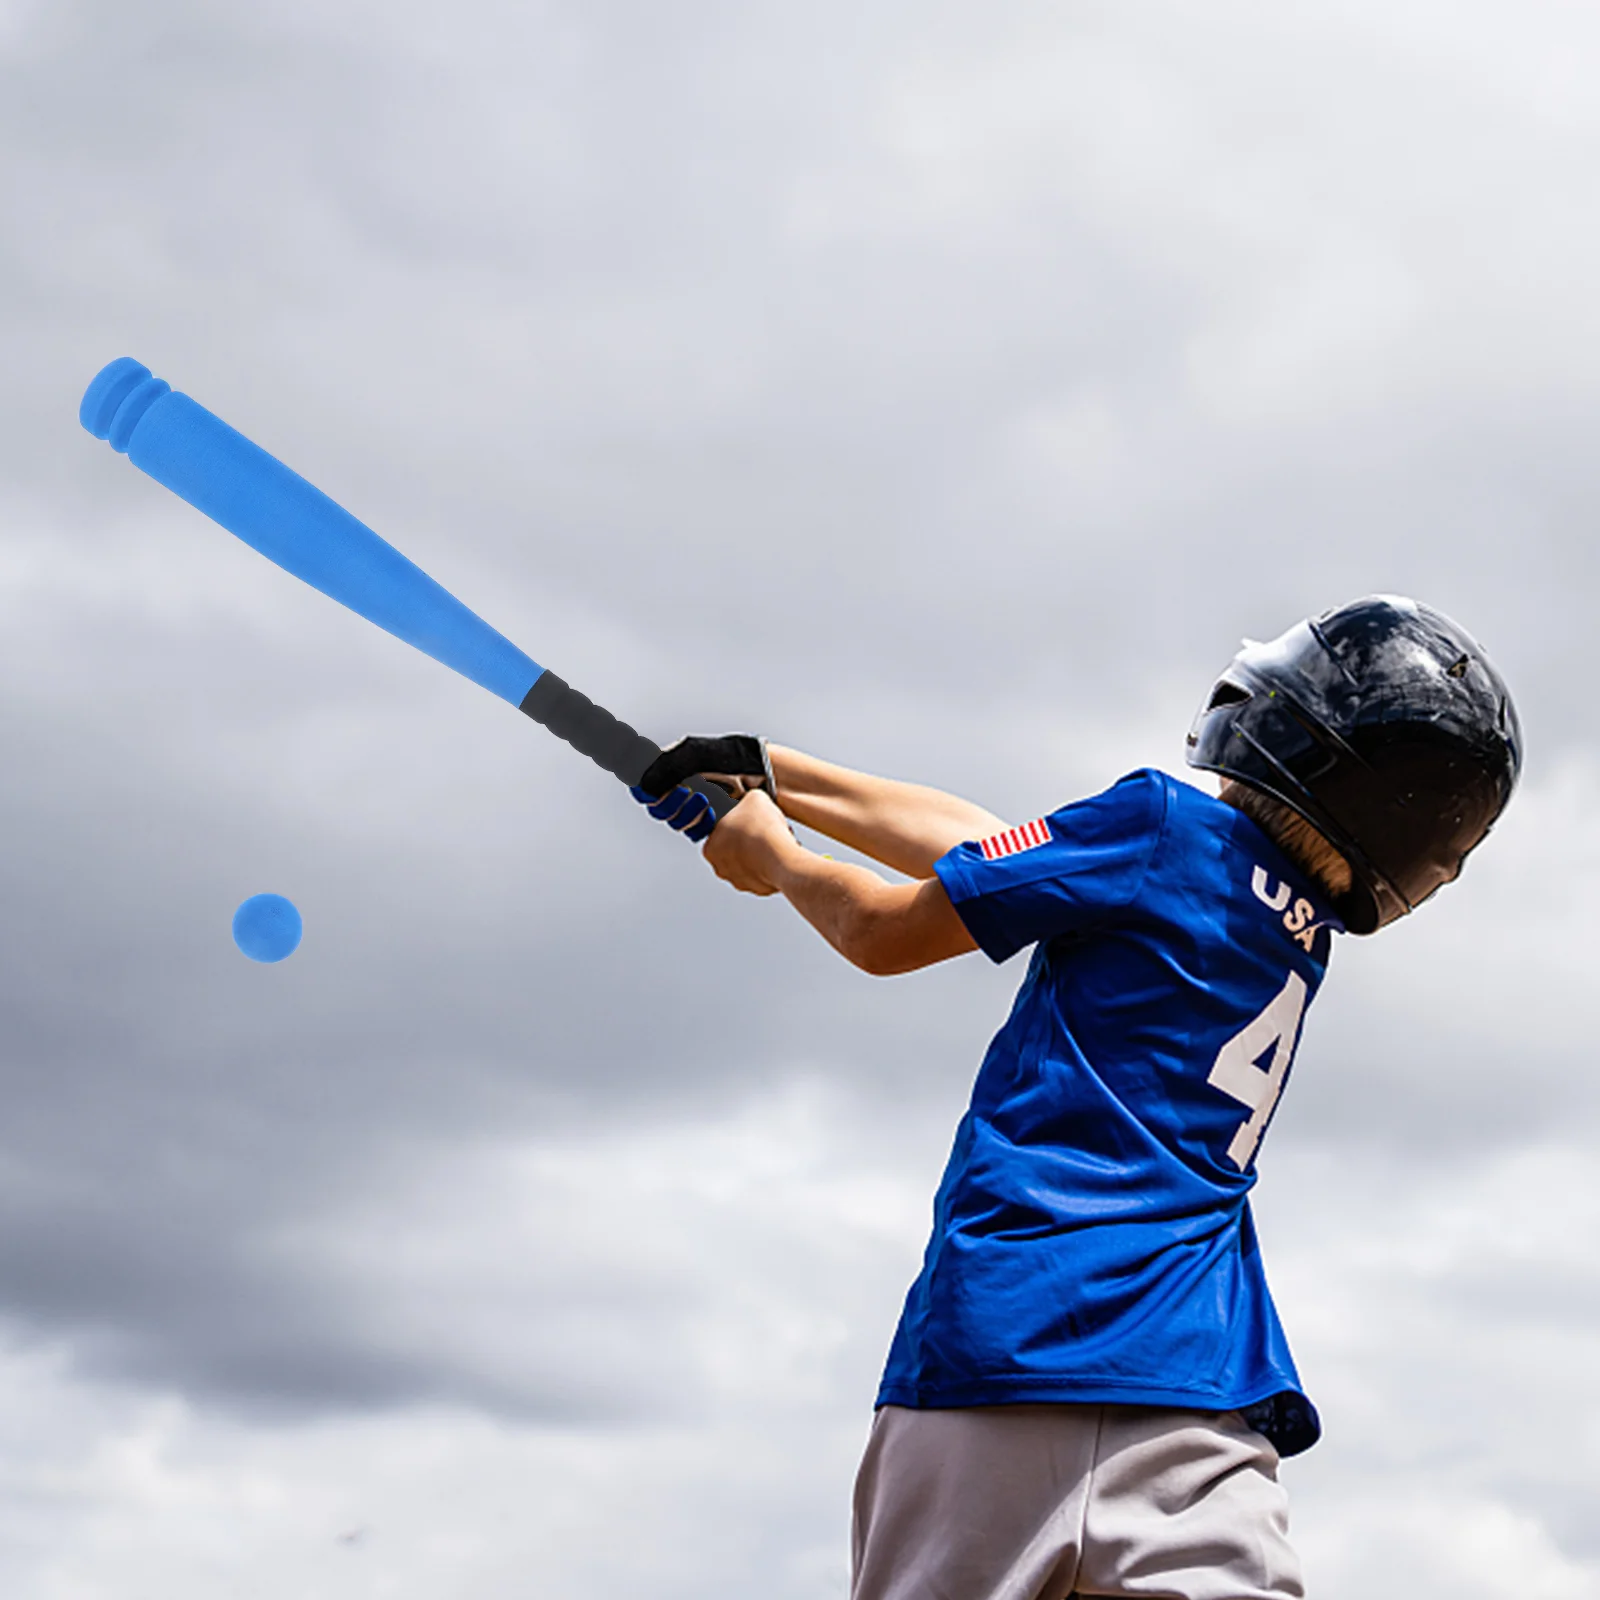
(906, 826)
(882, 928)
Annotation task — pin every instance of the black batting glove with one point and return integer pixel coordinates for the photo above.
(736, 762)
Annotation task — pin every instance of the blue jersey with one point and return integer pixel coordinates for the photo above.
(1092, 1238)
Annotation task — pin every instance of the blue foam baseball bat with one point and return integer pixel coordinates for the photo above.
(196, 455)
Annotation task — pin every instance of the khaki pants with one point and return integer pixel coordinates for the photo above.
(1042, 1502)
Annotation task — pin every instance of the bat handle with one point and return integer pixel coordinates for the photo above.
(607, 741)
(720, 800)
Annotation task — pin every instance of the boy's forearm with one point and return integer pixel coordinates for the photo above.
(906, 826)
(883, 928)
(835, 897)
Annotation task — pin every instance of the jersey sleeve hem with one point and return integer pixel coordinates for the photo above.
(952, 873)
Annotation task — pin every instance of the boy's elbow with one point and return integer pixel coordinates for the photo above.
(861, 949)
(875, 944)
(901, 930)
(878, 964)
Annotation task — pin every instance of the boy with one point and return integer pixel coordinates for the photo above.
(1089, 1389)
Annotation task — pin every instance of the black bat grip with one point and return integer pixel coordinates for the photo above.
(721, 801)
(608, 742)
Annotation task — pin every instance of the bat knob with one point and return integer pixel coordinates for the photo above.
(119, 395)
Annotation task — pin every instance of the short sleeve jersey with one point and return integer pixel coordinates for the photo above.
(1092, 1238)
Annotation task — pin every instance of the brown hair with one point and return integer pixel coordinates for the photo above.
(1292, 834)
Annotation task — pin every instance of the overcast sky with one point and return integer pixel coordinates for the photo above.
(942, 388)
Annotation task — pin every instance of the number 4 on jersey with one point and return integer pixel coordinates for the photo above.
(1239, 1073)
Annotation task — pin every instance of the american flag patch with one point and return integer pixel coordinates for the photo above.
(1028, 837)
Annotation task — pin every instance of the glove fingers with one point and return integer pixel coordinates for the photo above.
(695, 810)
(680, 809)
(700, 830)
(662, 807)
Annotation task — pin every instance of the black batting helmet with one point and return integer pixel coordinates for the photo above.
(1383, 724)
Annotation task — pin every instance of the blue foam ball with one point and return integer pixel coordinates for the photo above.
(267, 927)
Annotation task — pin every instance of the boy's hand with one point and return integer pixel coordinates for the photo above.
(748, 848)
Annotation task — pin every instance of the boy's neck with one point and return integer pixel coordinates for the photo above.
(1292, 834)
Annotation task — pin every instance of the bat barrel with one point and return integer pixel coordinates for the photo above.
(294, 525)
